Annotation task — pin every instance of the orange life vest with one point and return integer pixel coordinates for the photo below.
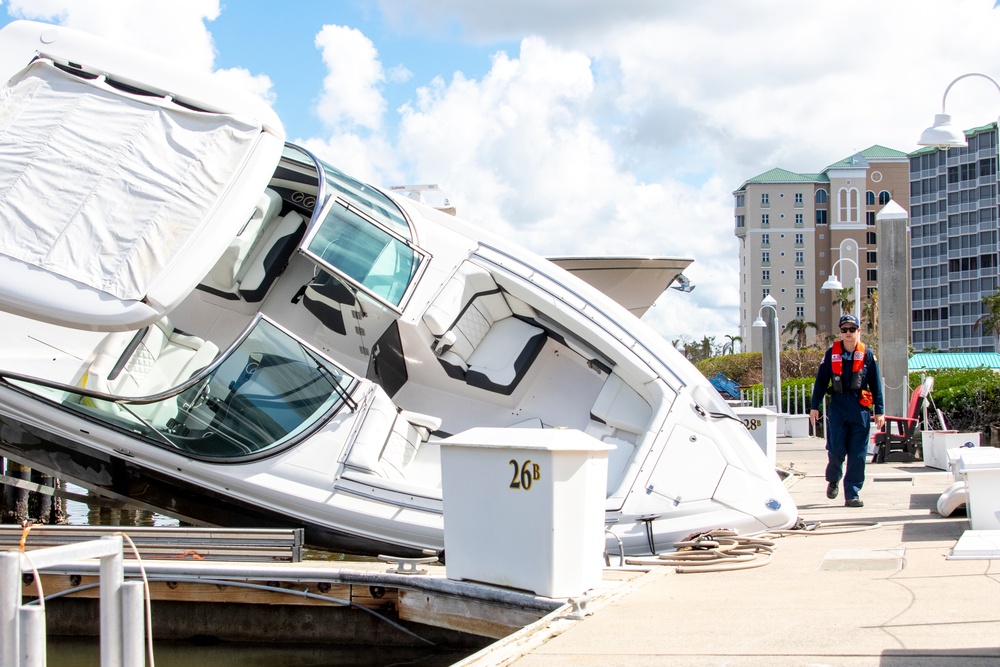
(837, 365)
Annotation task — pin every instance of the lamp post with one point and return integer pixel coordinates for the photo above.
(833, 283)
(941, 134)
(759, 323)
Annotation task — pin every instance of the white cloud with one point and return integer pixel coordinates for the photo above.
(351, 97)
(176, 30)
(676, 104)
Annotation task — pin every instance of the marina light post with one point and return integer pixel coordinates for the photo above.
(833, 283)
(942, 134)
(769, 303)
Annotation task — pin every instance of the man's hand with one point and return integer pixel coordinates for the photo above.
(880, 421)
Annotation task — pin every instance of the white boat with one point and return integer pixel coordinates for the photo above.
(207, 321)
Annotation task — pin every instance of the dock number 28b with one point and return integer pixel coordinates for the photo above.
(524, 474)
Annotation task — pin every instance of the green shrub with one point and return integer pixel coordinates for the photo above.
(969, 398)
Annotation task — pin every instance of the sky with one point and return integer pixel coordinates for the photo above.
(584, 127)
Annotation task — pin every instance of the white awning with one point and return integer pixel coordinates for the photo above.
(107, 188)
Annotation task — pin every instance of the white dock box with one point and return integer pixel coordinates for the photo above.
(762, 424)
(981, 468)
(937, 443)
(524, 508)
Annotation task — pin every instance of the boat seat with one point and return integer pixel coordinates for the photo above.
(389, 438)
(258, 254)
(621, 407)
(147, 362)
(481, 333)
(268, 258)
(223, 274)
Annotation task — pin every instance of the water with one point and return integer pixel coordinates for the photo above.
(85, 652)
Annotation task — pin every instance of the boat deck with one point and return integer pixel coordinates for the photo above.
(886, 596)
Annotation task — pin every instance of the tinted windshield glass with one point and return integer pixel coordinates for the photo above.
(365, 253)
(367, 199)
(267, 390)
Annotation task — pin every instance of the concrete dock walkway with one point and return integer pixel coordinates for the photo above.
(885, 596)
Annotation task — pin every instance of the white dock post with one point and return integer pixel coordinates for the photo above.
(133, 634)
(112, 579)
(10, 600)
(33, 649)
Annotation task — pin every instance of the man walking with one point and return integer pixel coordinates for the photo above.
(849, 373)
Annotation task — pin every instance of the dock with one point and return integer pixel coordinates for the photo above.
(869, 586)
(887, 596)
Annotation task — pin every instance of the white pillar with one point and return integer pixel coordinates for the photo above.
(10, 600)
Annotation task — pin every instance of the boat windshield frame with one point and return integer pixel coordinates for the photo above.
(380, 230)
(132, 414)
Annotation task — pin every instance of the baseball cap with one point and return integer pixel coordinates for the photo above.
(849, 319)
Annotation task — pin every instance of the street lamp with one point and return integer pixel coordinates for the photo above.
(833, 283)
(759, 323)
(941, 134)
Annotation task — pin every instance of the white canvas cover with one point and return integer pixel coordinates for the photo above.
(106, 188)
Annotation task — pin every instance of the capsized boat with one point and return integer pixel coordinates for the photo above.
(205, 320)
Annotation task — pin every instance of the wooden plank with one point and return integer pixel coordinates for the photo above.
(475, 617)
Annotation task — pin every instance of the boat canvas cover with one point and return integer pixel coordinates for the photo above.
(103, 187)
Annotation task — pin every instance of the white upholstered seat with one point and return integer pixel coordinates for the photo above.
(478, 334)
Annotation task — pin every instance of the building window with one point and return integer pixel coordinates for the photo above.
(740, 200)
(765, 275)
(884, 197)
(765, 220)
(741, 221)
(765, 258)
(799, 257)
(766, 292)
(800, 275)
(821, 196)
(800, 312)
(872, 257)
(869, 198)
(800, 293)
(821, 217)
(872, 275)
(798, 197)
(798, 239)
(870, 218)
(765, 198)
(765, 239)
(870, 238)
(798, 219)
(848, 205)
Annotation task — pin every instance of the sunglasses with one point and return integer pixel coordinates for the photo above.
(849, 330)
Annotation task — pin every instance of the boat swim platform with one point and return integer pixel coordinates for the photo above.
(887, 596)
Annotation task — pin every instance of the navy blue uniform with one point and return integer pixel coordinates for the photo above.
(848, 423)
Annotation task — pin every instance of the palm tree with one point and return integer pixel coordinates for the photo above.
(845, 298)
(990, 321)
(869, 313)
(731, 345)
(799, 329)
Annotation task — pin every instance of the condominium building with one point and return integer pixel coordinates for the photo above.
(794, 228)
(953, 243)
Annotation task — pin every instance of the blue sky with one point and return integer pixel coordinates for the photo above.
(584, 127)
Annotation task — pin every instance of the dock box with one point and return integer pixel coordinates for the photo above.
(981, 469)
(524, 508)
(937, 443)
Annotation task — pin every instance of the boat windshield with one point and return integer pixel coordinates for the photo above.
(267, 390)
(363, 237)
